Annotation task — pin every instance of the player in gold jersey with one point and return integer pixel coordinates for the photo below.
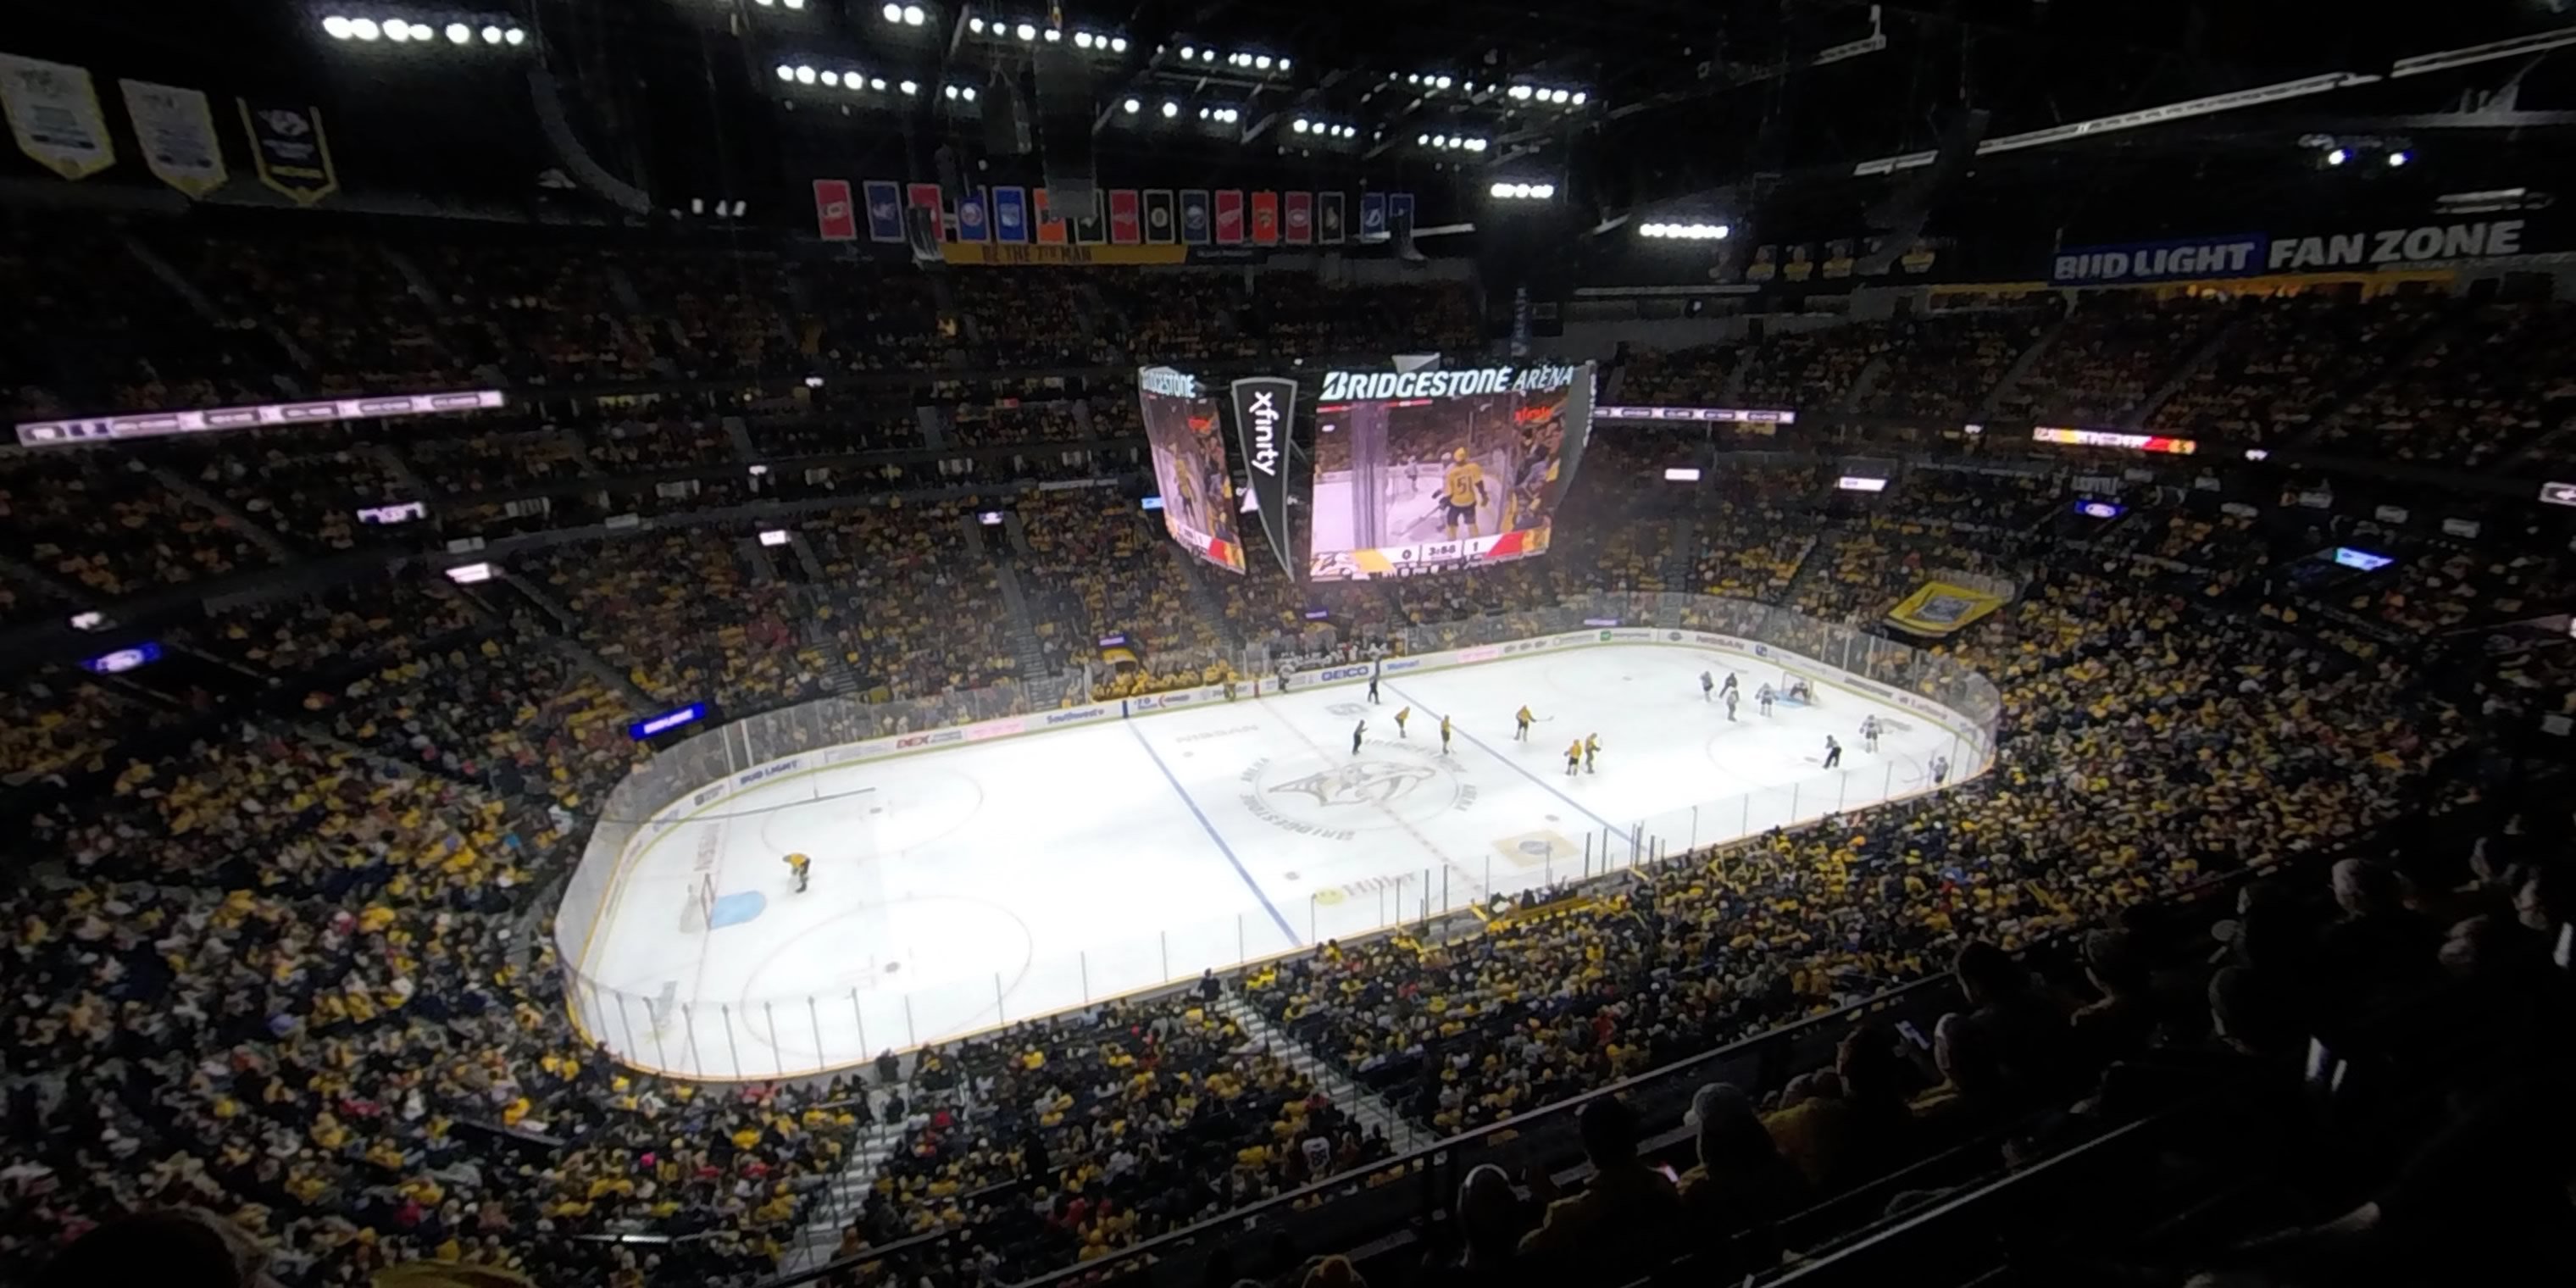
(1461, 491)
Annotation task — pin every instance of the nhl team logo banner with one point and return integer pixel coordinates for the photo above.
(1264, 417)
(885, 210)
(1328, 219)
(1052, 228)
(1399, 210)
(1229, 218)
(972, 223)
(834, 220)
(1010, 215)
(1372, 216)
(1158, 217)
(1197, 228)
(1088, 227)
(176, 128)
(927, 196)
(1265, 219)
(1124, 227)
(292, 152)
(1301, 218)
(53, 111)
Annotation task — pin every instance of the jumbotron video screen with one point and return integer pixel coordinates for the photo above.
(1424, 471)
(1184, 432)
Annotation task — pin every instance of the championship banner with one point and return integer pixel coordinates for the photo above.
(1765, 265)
(1328, 221)
(1123, 226)
(1801, 266)
(834, 220)
(1265, 219)
(292, 152)
(1196, 227)
(1158, 216)
(176, 129)
(1939, 608)
(53, 111)
(1021, 254)
(1265, 417)
(1301, 218)
(1229, 218)
(885, 210)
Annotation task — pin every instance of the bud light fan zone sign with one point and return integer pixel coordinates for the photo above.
(2256, 254)
(1184, 432)
(1421, 471)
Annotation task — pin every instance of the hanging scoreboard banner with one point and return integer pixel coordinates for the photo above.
(1265, 415)
(291, 150)
(1427, 470)
(1187, 443)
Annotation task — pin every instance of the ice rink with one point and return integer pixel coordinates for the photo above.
(957, 888)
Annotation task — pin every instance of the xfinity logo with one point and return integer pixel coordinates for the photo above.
(1350, 385)
(1264, 416)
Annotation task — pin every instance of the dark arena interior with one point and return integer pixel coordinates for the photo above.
(708, 644)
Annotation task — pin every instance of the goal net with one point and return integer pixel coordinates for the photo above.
(1796, 687)
(699, 916)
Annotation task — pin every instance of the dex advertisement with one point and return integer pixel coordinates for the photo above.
(1425, 471)
(1185, 432)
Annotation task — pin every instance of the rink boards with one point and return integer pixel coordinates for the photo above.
(999, 939)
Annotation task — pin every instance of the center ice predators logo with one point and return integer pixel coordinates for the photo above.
(1370, 782)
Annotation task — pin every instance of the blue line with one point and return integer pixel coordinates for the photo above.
(1577, 807)
(1222, 847)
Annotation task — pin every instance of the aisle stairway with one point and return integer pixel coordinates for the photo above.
(2021, 366)
(1369, 1108)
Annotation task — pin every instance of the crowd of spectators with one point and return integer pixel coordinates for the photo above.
(2111, 355)
(2474, 393)
(102, 525)
(1098, 566)
(915, 607)
(1816, 369)
(1941, 367)
(2290, 360)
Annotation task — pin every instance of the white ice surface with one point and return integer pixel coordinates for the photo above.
(1001, 880)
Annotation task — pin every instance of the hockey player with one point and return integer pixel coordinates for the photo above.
(1591, 749)
(1461, 492)
(1229, 688)
(1940, 770)
(1444, 735)
(1765, 697)
(1869, 734)
(1731, 701)
(1730, 686)
(1402, 714)
(1799, 691)
(801, 866)
(1358, 731)
(1706, 687)
(1522, 719)
(1372, 686)
(1833, 752)
(1573, 757)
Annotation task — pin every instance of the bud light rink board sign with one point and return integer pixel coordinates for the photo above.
(1423, 471)
(2258, 254)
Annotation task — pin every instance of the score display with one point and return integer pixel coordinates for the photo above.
(1186, 437)
(1420, 472)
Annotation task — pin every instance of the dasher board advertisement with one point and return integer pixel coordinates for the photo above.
(1423, 471)
(1185, 432)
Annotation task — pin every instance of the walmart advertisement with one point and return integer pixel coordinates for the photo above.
(1427, 471)
(1186, 437)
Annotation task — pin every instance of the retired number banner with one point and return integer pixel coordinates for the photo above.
(293, 154)
(53, 111)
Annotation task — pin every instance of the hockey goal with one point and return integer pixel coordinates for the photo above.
(1799, 687)
(700, 914)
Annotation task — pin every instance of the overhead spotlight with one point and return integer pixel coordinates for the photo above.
(1475, 145)
(1025, 31)
(1300, 126)
(1206, 112)
(1501, 190)
(492, 35)
(831, 78)
(1421, 140)
(913, 15)
(1440, 83)
(2400, 157)
(1118, 45)
(975, 25)
(1130, 106)
(891, 13)
(1522, 92)
(1650, 230)
(951, 91)
(1170, 109)
(1579, 96)
(515, 36)
(1283, 64)
(804, 75)
(397, 30)
(364, 28)
(458, 33)
(1189, 52)
(795, 4)
(1053, 34)
(910, 87)
(2338, 157)
(1082, 40)
(876, 82)
(1262, 62)
(1207, 55)
(336, 27)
